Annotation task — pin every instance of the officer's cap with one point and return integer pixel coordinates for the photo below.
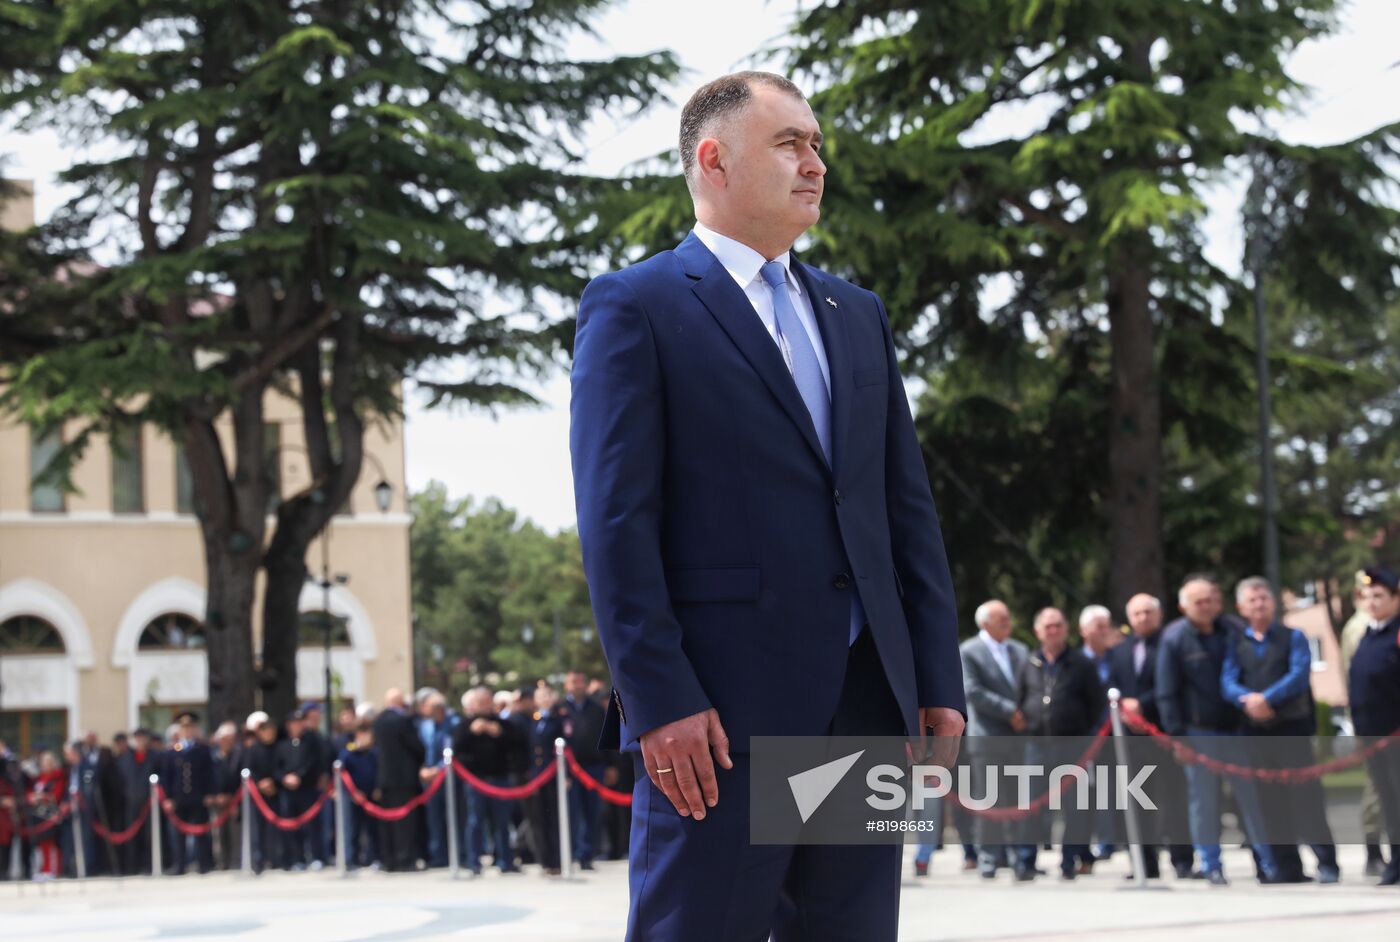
(1379, 575)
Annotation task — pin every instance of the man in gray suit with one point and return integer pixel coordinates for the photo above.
(992, 664)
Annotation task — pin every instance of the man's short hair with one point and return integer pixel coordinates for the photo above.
(1206, 577)
(1041, 615)
(713, 102)
(1092, 612)
(1252, 583)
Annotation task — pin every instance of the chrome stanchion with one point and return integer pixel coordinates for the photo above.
(561, 776)
(342, 855)
(75, 820)
(1120, 751)
(156, 867)
(454, 865)
(245, 825)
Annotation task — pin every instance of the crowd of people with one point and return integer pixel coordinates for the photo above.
(1206, 675)
(1204, 678)
(391, 754)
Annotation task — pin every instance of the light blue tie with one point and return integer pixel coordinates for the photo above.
(811, 385)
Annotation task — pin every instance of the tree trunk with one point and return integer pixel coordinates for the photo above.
(1134, 435)
(301, 517)
(285, 567)
(231, 510)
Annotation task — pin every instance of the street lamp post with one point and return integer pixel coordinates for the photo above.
(1258, 235)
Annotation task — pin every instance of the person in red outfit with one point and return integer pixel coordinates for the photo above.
(45, 796)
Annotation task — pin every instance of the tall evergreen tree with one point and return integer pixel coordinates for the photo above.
(1005, 171)
(315, 197)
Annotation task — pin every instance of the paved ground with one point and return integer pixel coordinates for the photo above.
(950, 905)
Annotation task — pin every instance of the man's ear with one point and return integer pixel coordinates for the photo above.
(711, 161)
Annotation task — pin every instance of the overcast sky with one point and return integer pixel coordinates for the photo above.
(523, 458)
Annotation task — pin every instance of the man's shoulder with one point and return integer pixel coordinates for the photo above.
(971, 644)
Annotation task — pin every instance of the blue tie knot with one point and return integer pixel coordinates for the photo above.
(774, 274)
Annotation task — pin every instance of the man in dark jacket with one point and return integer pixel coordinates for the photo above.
(587, 717)
(1374, 691)
(1059, 696)
(401, 755)
(485, 745)
(542, 808)
(360, 760)
(134, 769)
(261, 763)
(298, 764)
(1189, 666)
(1133, 670)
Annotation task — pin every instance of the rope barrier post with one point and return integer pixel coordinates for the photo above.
(341, 810)
(561, 772)
(454, 865)
(76, 820)
(1120, 751)
(156, 866)
(245, 824)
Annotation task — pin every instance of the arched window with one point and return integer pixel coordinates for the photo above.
(29, 634)
(172, 632)
(311, 631)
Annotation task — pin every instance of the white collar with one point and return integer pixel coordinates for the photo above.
(741, 261)
(995, 644)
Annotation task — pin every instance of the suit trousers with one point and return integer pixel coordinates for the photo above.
(398, 842)
(701, 881)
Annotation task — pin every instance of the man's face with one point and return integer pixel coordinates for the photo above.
(998, 622)
(1144, 615)
(188, 731)
(1200, 602)
(575, 684)
(347, 721)
(1256, 604)
(479, 704)
(1096, 632)
(267, 733)
(1379, 603)
(295, 727)
(1052, 631)
(774, 178)
(141, 743)
(544, 698)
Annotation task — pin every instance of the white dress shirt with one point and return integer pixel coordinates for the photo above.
(743, 264)
(1000, 653)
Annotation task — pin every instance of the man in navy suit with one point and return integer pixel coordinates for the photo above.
(761, 545)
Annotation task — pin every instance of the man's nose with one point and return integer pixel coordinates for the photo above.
(813, 166)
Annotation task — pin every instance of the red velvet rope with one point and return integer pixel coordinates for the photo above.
(286, 824)
(506, 792)
(199, 830)
(392, 814)
(1017, 814)
(126, 834)
(612, 796)
(1286, 776)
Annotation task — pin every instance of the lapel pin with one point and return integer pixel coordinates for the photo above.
(831, 302)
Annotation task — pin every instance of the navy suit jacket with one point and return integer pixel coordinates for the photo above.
(721, 550)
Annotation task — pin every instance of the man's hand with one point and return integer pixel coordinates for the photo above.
(484, 727)
(1130, 705)
(1018, 721)
(427, 773)
(291, 781)
(684, 747)
(945, 725)
(167, 806)
(1256, 707)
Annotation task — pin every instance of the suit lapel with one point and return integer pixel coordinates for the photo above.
(831, 321)
(728, 304)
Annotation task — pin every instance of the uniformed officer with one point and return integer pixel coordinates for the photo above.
(1375, 696)
(551, 721)
(187, 777)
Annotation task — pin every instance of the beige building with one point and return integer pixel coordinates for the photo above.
(102, 590)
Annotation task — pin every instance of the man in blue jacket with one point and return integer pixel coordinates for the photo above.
(1268, 675)
(761, 545)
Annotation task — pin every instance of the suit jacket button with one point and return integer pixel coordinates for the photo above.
(841, 580)
(836, 496)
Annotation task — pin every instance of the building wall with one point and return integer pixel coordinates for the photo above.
(100, 577)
